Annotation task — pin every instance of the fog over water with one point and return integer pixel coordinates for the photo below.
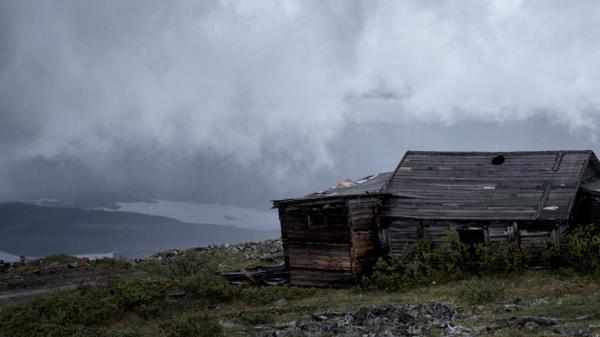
(207, 213)
(237, 103)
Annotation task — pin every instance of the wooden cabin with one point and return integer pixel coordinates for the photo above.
(330, 238)
(526, 198)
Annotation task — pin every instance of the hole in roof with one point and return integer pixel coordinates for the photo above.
(498, 160)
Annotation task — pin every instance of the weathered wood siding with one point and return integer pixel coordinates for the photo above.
(535, 236)
(330, 243)
(364, 232)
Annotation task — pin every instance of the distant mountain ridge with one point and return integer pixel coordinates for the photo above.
(33, 230)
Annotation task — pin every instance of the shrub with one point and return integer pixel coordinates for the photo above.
(145, 296)
(385, 275)
(210, 288)
(185, 264)
(480, 291)
(123, 332)
(421, 263)
(580, 249)
(450, 256)
(72, 313)
(418, 264)
(262, 316)
(195, 324)
(499, 256)
(266, 295)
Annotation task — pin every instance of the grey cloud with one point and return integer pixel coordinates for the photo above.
(247, 101)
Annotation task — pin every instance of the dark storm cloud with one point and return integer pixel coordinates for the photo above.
(248, 101)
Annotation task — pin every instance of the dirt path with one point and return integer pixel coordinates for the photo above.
(15, 295)
(18, 295)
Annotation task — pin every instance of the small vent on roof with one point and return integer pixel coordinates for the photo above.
(498, 160)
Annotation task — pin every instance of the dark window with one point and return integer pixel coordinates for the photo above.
(316, 220)
(498, 160)
(471, 237)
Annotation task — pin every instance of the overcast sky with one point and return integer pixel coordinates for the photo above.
(241, 102)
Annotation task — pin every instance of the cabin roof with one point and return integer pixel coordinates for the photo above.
(531, 185)
(370, 185)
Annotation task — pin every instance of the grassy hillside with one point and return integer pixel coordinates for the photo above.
(38, 231)
(424, 293)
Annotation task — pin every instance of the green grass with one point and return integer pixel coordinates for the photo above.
(138, 301)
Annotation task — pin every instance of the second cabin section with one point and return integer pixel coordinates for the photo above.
(526, 198)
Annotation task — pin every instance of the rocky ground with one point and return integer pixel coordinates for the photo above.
(378, 321)
(267, 250)
(429, 319)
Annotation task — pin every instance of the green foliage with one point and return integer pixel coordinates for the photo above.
(208, 287)
(123, 332)
(194, 324)
(254, 317)
(421, 263)
(579, 250)
(480, 291)
(451, 254)
(386, 275)
(267, 295)
(58, 314)
(185, 264)
(81, 312)
(418, 264)
(499, 256)
(144, 296)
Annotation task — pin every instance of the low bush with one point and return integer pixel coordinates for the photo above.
(210, 288)
(500, 256)
(194, 324)
(144, 296)
(122, 332)
(81, 312)
(187, 263)
(480, 291)
(266, 295)
(418, 264)
(422, 263)
(580, 250)
(73, 313)
(255, 317)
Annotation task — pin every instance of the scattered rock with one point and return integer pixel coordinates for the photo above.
(514, 305)
(498, 324)
(583, 331)
(525, 322)
(458, 330)
(517, 301)
(511, 307)
(380, 321)
(232, 326)
(530, 326)
(281, 301)
(539, 301)
(262, 250)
